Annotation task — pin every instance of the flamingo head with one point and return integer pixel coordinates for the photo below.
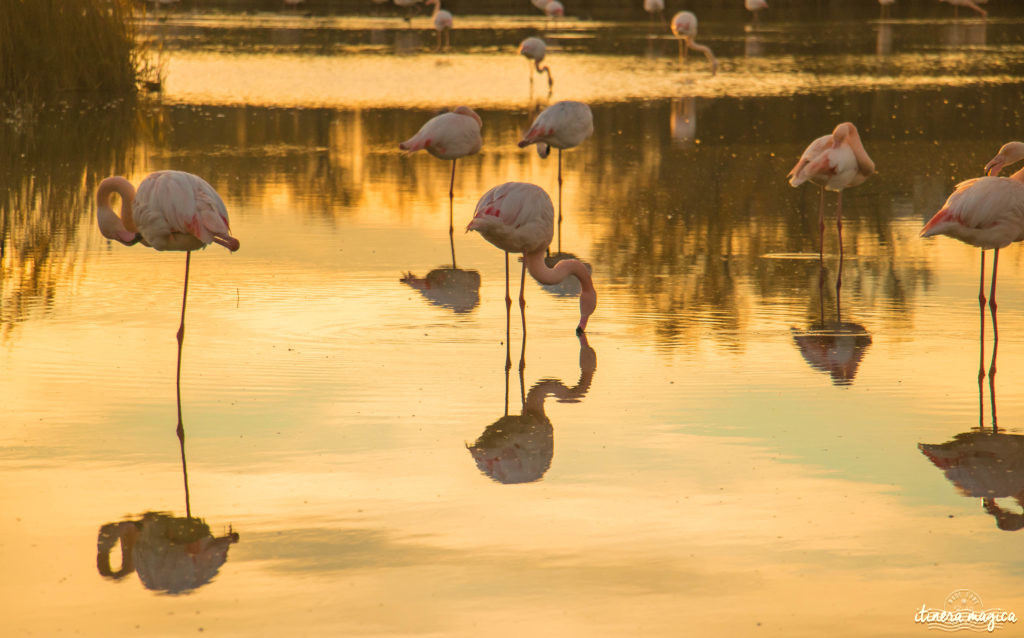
(1010, 153)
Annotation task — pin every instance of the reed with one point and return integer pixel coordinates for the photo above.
(54, 46)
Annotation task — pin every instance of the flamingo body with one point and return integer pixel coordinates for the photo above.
(654, 6)
(554, 9)
(835, 161)
(755, 5)
(519, 217)
(684, 24)
(987, 212)
(540, 4)
(172, 210)
(562, 125)
(533, 49)
(448, 136)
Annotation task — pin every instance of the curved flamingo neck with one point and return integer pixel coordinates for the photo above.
(1018, 176)
(126, 191)
(539, 270)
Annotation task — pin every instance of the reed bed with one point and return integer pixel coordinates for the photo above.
(54, 46)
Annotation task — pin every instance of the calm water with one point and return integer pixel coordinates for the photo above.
(732, 450)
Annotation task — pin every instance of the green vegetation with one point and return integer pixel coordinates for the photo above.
(53, 46)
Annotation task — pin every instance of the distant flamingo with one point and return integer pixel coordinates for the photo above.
(563, 125)
(172, 210)
(655, 7)
(449, 136)
(834, 162)
(684, 27)
(534, 49)
(518, 217)
(443, 23)
(970, 4)
(755, 7)
(885, 4)
(987, 212)
(554, 9)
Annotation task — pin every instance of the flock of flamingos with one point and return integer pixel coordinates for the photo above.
(175, 210)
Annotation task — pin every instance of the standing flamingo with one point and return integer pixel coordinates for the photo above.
(655, 7)
(172, 210)
(684, 27)
(443, 23)
(518, 217)
(834, 162)
(563, 125)
(449, 136)
(987, 212)
(534, 49)
(755, 7)
(970, 4)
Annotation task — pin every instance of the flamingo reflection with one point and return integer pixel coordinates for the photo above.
(452, 288)
(985, 463)
(171, 554)
(834, 347)
(519, 448)
(683, 121)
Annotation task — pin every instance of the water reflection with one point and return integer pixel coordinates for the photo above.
(52, 158)
(171, 554)
(683, 121)
(519, 448)
(832, 346)
(452, 288)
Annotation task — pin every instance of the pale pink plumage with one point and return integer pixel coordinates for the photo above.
(987, 212)
(534, 49)
(554, 9)
(684, 27)
(172, 210)
(563, 125)
(448, 136)
(518, 217)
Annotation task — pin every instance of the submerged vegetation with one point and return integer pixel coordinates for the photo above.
(54, 46)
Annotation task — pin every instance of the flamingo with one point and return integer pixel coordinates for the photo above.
(172, 210)
(442, 23)
(449, 136)
(834, 162)
(518, 217)
(534, 49)
(409, 8)
(970, 4)
(563, 125)
(540, 4)
(885, 4)
(755, 6)
(653, 7)
(554, 9)
(684, 27)
(987, 212)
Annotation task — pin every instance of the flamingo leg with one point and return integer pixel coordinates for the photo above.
(981, 331)
(522, 311)
(559, 200)
(821, 227)
(839, 230)
(451, 213)
(508, 317)
(995, 338)
(177, 382)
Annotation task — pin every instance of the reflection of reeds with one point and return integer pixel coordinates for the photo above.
(66, 45)
(52, 161)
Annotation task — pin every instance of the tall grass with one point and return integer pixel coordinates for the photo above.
(54, 46)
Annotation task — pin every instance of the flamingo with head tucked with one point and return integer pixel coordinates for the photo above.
(684, 27)
(562, 125)
(443, 23)
(518, 218)
(449, 136)
(171, 210)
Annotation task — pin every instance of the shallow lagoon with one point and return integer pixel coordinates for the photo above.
(729, 451)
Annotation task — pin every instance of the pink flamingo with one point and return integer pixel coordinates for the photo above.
(449, 136)
(172, 210)
(987, 212)
(834, 162)
(655, 7)
(684, 27)
(554, 9)
(518, 217)
(534, 49)
(563, 125)
(970, 4)
(755, 7)
(443, 23)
